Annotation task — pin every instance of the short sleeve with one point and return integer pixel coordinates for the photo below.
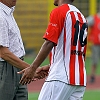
(53, 30)
(4, 39)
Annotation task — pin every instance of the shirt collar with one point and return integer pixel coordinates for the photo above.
(6, 9)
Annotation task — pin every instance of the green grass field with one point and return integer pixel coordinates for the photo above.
(89, 95)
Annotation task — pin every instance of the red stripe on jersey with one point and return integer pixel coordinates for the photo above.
(50, 57)
(81, 63)
(72, 57)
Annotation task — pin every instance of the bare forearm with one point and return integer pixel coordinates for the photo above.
(12, 59)
(15, 61)
(43, 53)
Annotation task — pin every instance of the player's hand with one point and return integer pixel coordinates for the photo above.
(46, 68)
(40, 73)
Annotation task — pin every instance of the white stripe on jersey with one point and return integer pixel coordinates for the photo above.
(68, 43)
(76, 62)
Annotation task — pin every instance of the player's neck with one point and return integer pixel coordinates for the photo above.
(64, 2)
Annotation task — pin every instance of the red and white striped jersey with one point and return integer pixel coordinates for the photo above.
(68, 30)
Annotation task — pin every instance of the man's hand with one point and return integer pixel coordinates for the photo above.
(28, 74)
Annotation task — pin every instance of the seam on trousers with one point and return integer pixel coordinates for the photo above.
(2, 70)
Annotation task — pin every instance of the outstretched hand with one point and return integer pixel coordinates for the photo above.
(30, 74)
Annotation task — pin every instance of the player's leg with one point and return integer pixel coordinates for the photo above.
(95, 59)
(56, 90)
(77, 93)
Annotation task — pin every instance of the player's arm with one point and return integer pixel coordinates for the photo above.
(43, 53)
(11, 58)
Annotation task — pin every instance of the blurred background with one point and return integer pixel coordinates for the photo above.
(32, 18)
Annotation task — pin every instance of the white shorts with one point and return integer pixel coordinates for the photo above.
(56, 90)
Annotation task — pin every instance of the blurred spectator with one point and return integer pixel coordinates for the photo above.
(94, 37)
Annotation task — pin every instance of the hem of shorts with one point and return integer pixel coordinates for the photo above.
(65, 83)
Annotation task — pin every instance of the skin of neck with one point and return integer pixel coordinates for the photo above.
(61, 2)
(7, 3)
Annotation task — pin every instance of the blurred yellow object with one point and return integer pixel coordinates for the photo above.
(93, 5)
